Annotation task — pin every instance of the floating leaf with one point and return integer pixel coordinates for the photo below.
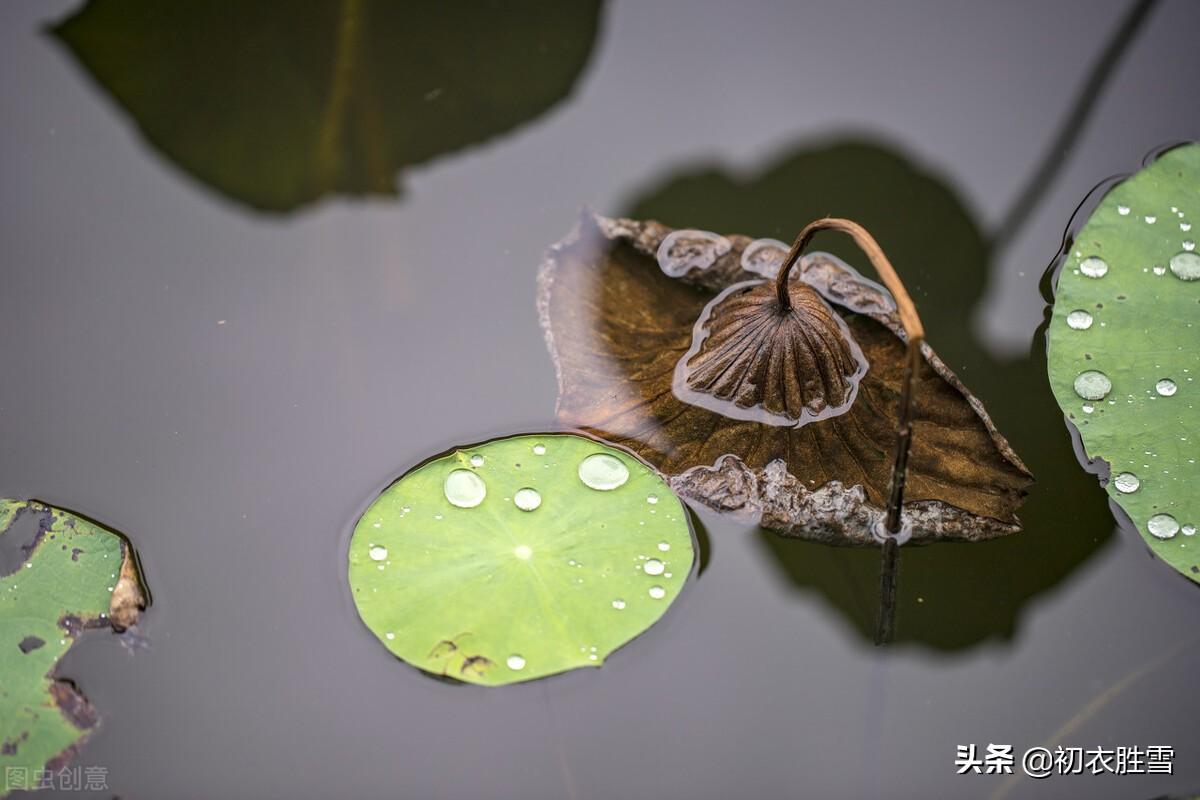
(1124, 350)
(275, 105)
(519, 558)
(617, 325)
(71, 575)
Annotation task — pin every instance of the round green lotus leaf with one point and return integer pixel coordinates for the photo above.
(519, 558)
(1124, 349)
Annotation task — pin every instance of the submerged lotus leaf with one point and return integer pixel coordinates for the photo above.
(752, 359)
(274, 105)
(1124, 350)
(69, 576)
(617, 326)
(554, 553)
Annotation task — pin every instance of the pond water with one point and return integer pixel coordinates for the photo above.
(231, 387)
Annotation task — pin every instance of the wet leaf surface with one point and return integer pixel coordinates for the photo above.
(617, 325)
(1124, 350)
(75, 575)
(519, 558)
(343, 95)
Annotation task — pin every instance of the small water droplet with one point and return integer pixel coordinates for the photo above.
(664, 546)
(515, 662)
(603, 472)
(653, 567)
(1088, 408)
(685, 250)
(1127, 482)
(1188, 530)
(1185, 226)
(539, 449)
(657, 592)
(1079, 319)
(1162, 526)
(652, 499)
(377, 552)
(1123, 210)
(464, 488)
(477, 460)
(1092, 385)
(527, 499)
(1166, 387)
(1186, 265)
(1159, 269)
(390, 635)
(1189, 245)
(1094, 267)
(1151, 219)
(618, 604)
(523, 552)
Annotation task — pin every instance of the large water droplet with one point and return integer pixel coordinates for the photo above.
(653, 567)
(764, 257)
(618, 604)
(1094, 267)
(603, 472)
(1162, 526)
(1166, 387)
(527, 499)
(1092, 385)
(1079, 319)
(464, 488)
(657, 592)
(515, 662)
(1127, 482)
(377, 552)
(1186, 265)
(685, 250)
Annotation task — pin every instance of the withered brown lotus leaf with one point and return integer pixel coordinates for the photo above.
(617, 326)
(752, 359)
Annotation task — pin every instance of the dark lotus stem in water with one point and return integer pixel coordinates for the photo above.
(914, 333)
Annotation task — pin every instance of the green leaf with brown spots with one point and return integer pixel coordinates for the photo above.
(68, 575)
(519, 558)
(1124, 350)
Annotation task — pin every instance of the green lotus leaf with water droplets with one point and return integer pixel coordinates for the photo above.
(1124, 350)
(71, 575)
(519, 558)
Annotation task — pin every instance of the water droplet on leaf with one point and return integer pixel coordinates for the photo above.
(515, 662)
(464, 488)
(1079, 319)
(378, 552)
(657, 592)
(1094, 267)
(1186, 265)
(603, 472)
(1162, 526)
(527, 499)
(653, 567)
(1166, 387)
(1127, 482)
(1092, 385)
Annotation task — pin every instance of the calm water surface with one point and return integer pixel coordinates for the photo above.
(231, 387)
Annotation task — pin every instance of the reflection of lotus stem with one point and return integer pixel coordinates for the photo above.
(914, 334)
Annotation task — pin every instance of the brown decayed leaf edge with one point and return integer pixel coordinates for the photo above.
(616, 326)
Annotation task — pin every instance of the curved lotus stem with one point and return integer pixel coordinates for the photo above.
(914, 333)
(913, 330)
